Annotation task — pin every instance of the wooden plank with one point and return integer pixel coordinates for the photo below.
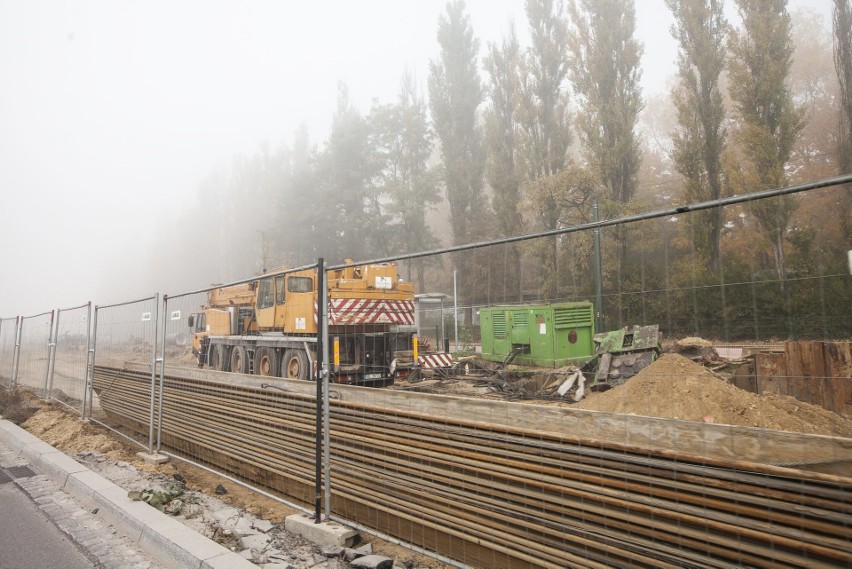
(838, 366)
(770, 369)
(744, 378)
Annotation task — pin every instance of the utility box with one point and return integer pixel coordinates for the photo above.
(549, 335)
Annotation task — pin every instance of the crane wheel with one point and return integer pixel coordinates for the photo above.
(239, 361)
(217, 357)
(266, 362)
(294, 365)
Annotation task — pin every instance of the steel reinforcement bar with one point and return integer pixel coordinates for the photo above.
(496, 495)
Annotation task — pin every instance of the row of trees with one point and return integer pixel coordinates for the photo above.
(528, 137)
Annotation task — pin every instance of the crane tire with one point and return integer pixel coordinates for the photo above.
(294, 364)
(266, 362)
(239, 360)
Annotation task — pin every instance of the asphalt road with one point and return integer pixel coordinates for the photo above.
(28, 539)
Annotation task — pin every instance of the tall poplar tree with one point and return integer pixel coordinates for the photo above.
(842, 24)
(544, 118)
(501, 141)
(349, 220)
(769, 122)
(605, 72)
(700, 29)
(455, 93)
(402, 142)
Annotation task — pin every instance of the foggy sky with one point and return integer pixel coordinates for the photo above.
(113, 112)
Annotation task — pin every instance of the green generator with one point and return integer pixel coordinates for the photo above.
(549, 335)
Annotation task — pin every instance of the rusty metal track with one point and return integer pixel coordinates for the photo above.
(497, 496)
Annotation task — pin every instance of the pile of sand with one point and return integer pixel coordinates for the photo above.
(675, 387)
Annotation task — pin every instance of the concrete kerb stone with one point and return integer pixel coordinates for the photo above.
(176, 545)
(58, 466)
(15, 437)
(83, 485)
(121, 511)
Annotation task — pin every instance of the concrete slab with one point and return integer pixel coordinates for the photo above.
(154, 459)
(323, 533)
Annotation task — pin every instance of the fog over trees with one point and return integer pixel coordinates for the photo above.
(520, 136)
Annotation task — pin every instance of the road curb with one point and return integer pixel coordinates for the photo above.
(171, 543)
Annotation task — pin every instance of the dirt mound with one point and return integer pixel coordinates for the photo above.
(675, 387)
(67, 433)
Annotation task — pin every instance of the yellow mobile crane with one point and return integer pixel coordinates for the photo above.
(268, 327)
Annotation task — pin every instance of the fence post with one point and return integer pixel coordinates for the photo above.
(599, 319)
(319, 394)
(89, 359)
(50, 345)
(325, 398)
(456, 308)
(19, 329)
(166, 318)
(51, 362)
(153, 374)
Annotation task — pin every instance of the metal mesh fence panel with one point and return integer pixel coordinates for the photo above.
(69, 370)
(124, 338)
(8, 337)
(226, 403)
(664, 402)
(32, 365)
(498, 445)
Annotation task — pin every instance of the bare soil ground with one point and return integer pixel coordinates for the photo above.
(672, 387)
(676, 387)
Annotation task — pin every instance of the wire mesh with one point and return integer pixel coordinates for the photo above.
(69, 370)
(8, 338)
(124, 337)
(32, 365)
(505, 452)
(226, 401)
(484, 438)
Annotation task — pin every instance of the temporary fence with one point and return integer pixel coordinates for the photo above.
(35, 346)
(8, 343)
(69, 365)
(124, 333)
(460, 461)
(229, 336)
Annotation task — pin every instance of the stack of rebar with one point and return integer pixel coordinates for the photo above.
(495, 495)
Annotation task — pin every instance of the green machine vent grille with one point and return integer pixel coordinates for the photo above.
(500, 325)
(572, 316)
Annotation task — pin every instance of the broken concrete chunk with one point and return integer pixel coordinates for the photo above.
(246, 554)
(567, 384)
(332, 551)
(244, 527)
(373, 562)
(354, 553)
(257, 542)
(262, 525)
